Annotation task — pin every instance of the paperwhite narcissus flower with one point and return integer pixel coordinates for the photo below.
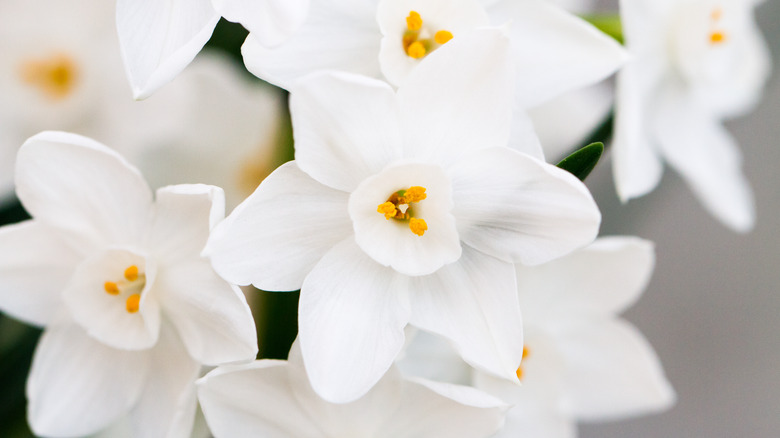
(274, 398)
(404, 208)
(130, 306)
(696, 62)
(159, 38)
(581, 362)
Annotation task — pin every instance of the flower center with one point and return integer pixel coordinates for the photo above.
(717, 35)
(417, 40)
(129, 288)
(55, 76)
(526, 353)
(399, 207)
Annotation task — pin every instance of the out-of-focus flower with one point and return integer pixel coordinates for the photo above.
(696, 63)
(274, 398)
(405, 208)
(159, 38)
(131, 308)
(581, 362)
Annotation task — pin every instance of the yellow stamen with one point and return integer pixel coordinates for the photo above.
(131, 273)
(55, 76)
(111, 287)
(133, 302)
(519, 372)
(717, 37)
(416, 50)
(418, 226)
(526, 351)
(717, 13)
(442, 36)
(414, 21)
(388, 209)
(414, 194)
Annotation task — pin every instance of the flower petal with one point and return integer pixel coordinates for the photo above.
(35, 267)
(159, 38)
(352, 311)
(78, 385)
(346, 128)
(473, 303)
(83, 188)
(519, 209)
(211, 316)
(459, 99)
(277, 235)
(554, 51)
(270, 21)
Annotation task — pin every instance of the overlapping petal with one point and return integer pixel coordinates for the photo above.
(270, 21)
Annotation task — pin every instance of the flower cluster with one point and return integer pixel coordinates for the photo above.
(451, 279)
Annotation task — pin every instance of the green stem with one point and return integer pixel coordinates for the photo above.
(608, 23)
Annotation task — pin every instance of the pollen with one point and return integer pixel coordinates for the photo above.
(717, 37)
(388, 209)
(133, 303)
(131, 273)
(418, 226)
(414, 194)
(111, 287)
(416, 50)
(414, 21)
(442, 36)
(55, 76)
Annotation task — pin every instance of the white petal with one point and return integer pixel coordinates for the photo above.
(159, 38)
(473, 303)
(183, 219)
(554, 51)
(523, 137)
(459, 99)
(167, 405)
(211, 316)
(82, 187)
(601, 279)
(339, 34)
(78, 385)
(277, 235)
(519, 209)
(35, 267)
(271, 21)
(105, 315)
(346, 128)
(429, 356)
(390, 242)
(707, 157)
(613, 372)
(351, 317)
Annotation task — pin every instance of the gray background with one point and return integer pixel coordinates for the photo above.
(712, 310)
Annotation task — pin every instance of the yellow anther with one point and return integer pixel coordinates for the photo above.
(55, 76)
(717, 13)
(111, 287)
(519, 372)
(526, 352)
(418, 226)
(717, 37)
(131, 273)
(416, 50)
(133, 303)
(414, 194)
(388, 209)
(442, 36)
(414, 21)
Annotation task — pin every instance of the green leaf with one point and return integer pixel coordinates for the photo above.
(608, 23)
(582, 162)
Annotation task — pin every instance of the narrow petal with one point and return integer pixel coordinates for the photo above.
(613, 372)
(80, 186)
(211, 316)
(160, 38)
(35, 267)
(473, 303)
(459, 99)
(270, 21)
(554, 51)
(78, 385)
(167, 405)
(277, 235)
(352, 311)
(707, 157)
(346, 128)
(519, 209)
(340, 35)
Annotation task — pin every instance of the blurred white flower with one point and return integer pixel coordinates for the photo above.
(130, 306)
(696, 63)
(405, 208)
(159, 38)
(273, 398)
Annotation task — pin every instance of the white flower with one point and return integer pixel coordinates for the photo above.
(581, 362)
(159, 38)
(696, 63)
(404, 208)
(131, 309)
(274, 398)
